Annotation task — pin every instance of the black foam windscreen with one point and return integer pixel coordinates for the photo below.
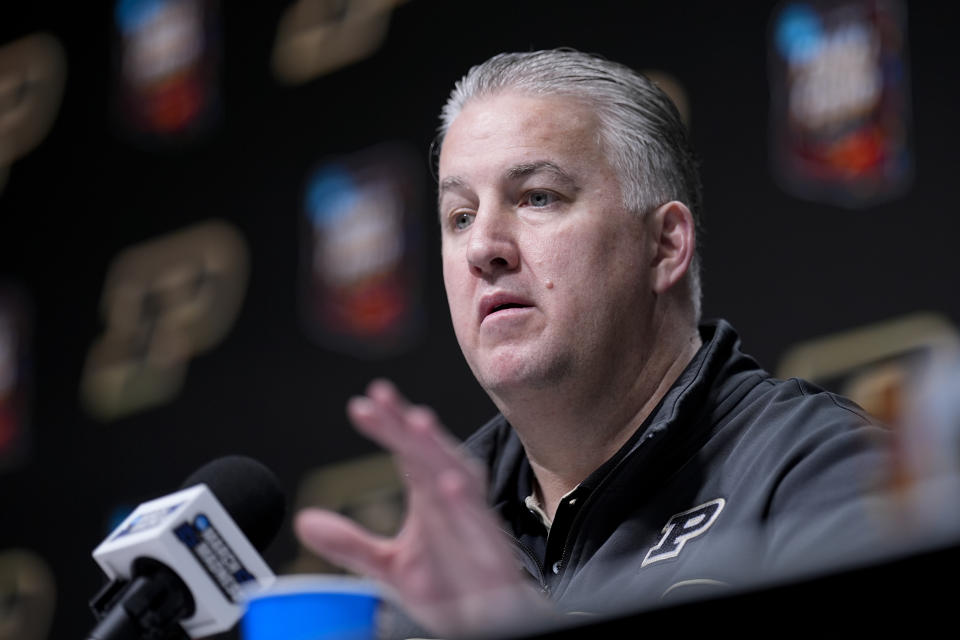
(250, 493)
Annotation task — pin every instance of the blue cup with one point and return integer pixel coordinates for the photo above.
(312, 607)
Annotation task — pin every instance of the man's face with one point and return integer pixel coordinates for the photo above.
(547, 274)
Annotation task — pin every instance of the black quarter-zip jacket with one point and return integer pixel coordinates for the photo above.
(735, 478)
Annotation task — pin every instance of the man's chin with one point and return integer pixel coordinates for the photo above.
(513, 377)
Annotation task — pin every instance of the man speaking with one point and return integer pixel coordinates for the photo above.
(637, 455)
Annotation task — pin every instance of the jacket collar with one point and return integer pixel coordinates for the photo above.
(719, 357)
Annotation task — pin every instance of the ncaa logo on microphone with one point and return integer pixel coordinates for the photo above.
(215, 556)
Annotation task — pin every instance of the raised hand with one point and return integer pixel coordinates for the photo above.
(449, 566)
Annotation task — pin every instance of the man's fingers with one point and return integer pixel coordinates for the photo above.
(383, 428)
(450, 456)
(413, 433)
(342, 542)
(386, 393)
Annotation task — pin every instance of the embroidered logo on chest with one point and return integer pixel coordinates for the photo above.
(683, 527)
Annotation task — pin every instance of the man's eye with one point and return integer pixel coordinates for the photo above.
(540, 198)
(463, 220)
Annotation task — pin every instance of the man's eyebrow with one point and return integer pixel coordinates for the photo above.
(516, 172)
(448, 184)
(526, 169)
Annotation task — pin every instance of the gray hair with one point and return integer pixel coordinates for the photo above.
(640, 127)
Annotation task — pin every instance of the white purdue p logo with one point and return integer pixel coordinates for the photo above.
(681, 528)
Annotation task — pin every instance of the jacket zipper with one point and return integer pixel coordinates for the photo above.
(574, 526)
(528, 552)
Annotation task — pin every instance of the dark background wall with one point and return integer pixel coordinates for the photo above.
(781, 268)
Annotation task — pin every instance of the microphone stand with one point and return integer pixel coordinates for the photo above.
(146, 607)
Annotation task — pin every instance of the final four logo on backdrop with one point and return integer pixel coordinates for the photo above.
(839, 109)
(167, 63)
(16, 376)
(361, 252)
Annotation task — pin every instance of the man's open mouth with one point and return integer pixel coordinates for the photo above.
(501, 302)
(509, 305)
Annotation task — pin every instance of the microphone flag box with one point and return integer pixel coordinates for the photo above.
(191, 533)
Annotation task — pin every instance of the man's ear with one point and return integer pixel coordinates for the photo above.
(672, 232)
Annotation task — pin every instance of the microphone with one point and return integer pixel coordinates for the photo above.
(180, 566)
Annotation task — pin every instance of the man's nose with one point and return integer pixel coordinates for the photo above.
(492, 246)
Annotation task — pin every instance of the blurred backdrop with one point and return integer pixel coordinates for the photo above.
(217, 224)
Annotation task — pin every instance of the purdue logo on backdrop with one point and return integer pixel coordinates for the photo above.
(165, 301)
(33, 73)
(316, 37)
(682, 528)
